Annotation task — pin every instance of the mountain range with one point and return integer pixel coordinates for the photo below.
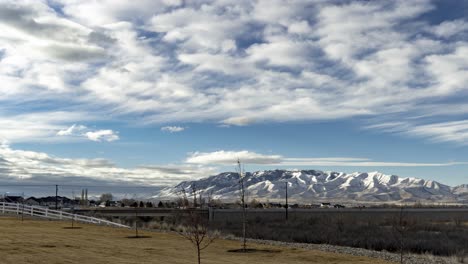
(309, 186)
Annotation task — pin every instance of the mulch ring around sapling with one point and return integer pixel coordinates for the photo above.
(253, 250)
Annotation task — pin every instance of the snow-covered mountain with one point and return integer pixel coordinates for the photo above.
(315, 185)
(461, 191)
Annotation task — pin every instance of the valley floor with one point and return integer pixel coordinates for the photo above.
(37, 241)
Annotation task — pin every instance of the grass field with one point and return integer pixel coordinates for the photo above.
(35, 241)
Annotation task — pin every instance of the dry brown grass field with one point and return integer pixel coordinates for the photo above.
(37, 241)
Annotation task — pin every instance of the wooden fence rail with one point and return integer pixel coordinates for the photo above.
(44, 212)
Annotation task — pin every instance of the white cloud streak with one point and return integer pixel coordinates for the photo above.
(172, 129)
(231, 157)
(453, 131)
(222, 157)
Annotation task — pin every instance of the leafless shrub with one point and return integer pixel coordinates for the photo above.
(195, 229)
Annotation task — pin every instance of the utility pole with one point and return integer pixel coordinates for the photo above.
(56, 197)
(22, 209)
(286, 206)
(242, 193)
(136, 222)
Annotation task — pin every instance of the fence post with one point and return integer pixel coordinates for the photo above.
(60, 215)
(17, 208)
(46, 212)
(3, 207)
(32, 210)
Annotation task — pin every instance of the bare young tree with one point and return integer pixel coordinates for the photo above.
(240, 170)
(183, 201)
(194, 194)
(401, 226)
(195, 229)
(136, 222)
(106, 198)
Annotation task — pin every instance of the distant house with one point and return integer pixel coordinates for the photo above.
(12, 199)
(338, 206)
(274, 205)
(325, 205)
(32, 201)
(49, 201)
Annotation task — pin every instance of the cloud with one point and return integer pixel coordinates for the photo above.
(452, 131)
(102, 135)
(357, 162)
(172, 129)
(81, 131)
(448, 29)
(21, 166)
(72, 131)
(231, 157)
(30, 167)
(39, 126)
(238, 121)
(229, 62)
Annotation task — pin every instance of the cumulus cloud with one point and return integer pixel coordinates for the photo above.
(72, 131)
(94, 135)
(102, 135)
(172, 129)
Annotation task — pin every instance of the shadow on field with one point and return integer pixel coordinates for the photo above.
(72, 227)
(253, 250)
(138, 237)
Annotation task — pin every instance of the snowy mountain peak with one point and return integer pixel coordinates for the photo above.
(316, 185)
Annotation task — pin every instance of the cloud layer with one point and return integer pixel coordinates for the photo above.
(222, 157)
(231, 62)
(26, 167)
(21, 167)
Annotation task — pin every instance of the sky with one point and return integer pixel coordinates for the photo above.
(150, 93)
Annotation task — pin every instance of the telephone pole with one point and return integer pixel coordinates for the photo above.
(56, 197)
(286, 206)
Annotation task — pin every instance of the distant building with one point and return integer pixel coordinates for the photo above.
(32, 201)
(325, 205)
(12, 199)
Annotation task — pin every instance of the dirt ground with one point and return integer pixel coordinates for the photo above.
(37, 241)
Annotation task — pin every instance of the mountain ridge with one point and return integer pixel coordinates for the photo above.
(316, 185)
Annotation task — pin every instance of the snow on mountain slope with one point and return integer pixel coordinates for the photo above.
(315, 185)
(462, 192)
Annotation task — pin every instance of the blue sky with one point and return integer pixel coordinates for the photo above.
(114, 92)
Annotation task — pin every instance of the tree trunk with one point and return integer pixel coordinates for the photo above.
(198, 252)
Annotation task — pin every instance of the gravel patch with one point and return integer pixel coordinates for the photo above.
(385, 255)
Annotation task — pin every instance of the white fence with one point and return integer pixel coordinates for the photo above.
(43, 212)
